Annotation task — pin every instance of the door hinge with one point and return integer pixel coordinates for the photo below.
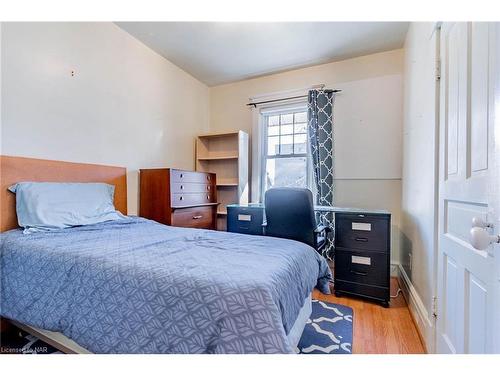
(434, 307)
(438, 69)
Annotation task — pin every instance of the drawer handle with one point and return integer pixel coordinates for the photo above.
(361, 239)
(196, 217)
(181, 198)
(182, 187)
(181, 175)
(208, 187)
(208, 196)
(359, 273)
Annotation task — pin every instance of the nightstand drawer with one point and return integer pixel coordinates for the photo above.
(365, 232)
(245, 220)
(365, 267)
(375, 292)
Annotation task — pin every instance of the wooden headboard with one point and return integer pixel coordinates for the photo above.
(16, 169)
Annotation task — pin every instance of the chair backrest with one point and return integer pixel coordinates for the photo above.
(290, 214)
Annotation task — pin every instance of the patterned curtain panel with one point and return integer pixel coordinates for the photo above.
(320, 128)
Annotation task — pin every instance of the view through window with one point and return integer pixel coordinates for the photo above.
(286, 163)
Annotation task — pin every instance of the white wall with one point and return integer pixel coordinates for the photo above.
(128, 106)
(368, 124)
(419, 188)
(125, 106)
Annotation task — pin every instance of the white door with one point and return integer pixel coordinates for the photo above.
(468, 278)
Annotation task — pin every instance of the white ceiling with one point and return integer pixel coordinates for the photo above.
(222, 52)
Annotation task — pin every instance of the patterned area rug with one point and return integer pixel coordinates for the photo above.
(328, 331)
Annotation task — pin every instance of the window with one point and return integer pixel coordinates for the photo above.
(286, 161)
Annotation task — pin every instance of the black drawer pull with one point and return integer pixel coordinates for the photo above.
(359, 273)
(361, 239)
(196, 217)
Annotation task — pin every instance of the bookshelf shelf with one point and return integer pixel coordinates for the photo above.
(210, 158)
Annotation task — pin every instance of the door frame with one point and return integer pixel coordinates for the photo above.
(437, 166)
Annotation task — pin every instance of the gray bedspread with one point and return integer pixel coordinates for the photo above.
(136, 286)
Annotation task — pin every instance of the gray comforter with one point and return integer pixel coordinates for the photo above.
(136, 286)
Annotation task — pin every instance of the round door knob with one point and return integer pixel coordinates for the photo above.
(480, 239)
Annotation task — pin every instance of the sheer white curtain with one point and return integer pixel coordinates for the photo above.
(258, 139)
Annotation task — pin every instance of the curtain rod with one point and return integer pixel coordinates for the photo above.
(279, 100)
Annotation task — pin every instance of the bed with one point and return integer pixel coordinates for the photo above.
(136, 286)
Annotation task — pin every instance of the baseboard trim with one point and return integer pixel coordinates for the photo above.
(420, 315)
(394, 269)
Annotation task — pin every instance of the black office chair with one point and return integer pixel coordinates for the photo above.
(290, 214)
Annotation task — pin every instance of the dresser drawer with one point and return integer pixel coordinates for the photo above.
(195, 217)
(190, 187)
(186, 176)
(365, 232)
(365, 267)
(378, 293)
(192, 199)
(245, 220)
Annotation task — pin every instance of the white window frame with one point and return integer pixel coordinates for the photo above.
(263, 128)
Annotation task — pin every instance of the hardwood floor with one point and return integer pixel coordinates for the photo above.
(379, 330)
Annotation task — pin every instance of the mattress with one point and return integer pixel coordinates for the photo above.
(136, 286)
(300, 323)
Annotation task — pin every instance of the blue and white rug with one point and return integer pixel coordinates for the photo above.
(328, 330)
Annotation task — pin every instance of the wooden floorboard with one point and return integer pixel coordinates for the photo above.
(379, 330)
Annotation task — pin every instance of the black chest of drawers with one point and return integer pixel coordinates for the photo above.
(363, 255)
